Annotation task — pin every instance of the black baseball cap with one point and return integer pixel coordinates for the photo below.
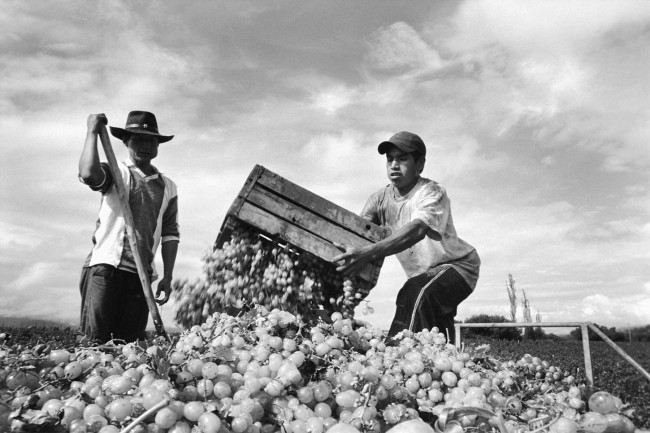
(404, 141)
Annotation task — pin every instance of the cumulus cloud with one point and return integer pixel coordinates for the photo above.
(333, 98)
(541, 147)
(14, 238)
(605, 310)
(551, 60)
(399, 46)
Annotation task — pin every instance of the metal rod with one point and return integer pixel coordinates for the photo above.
(523, 325)
(585, 348)
(620, 351)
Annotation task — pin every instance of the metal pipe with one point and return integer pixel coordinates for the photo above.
(620, 351)
(585, 348)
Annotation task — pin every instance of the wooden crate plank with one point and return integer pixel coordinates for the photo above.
(276, 227)
(227, 225)
(304, 218)
(251, 181)
(319, 205)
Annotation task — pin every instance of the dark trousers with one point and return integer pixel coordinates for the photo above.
(426, 301)
(113, 305)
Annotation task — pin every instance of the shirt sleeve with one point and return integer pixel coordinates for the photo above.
(105, 184)
(433, 208)
(370, 211)
(170, 230)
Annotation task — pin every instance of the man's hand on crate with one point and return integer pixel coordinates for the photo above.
(353, 259)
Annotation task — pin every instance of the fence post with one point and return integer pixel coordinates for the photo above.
(585, 349)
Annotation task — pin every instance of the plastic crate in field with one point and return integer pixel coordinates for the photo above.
(289, 213)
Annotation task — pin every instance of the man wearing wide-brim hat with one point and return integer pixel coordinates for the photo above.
(113, 305)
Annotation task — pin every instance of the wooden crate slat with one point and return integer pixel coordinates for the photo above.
(304, 218)
(227, 225)
(292, 214)
(251, 181)
(321, 206)
(276, 227)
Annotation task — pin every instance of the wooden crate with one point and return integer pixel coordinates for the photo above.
(287, 212)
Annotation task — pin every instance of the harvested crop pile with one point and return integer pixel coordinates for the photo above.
(267, 371)
(251, 269)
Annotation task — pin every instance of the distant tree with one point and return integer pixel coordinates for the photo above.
(535, 334)
(530, 333)
(512, 296)
(611, 333)
(555, 337)
(641, 333)
(496, 333)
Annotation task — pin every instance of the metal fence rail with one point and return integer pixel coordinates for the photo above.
(584, 327)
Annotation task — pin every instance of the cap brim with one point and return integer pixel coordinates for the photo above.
(385, 146)
(121, 133)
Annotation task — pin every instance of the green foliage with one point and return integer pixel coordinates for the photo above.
(498, 333)
(611, 333)
(534, 334)
(641, 333)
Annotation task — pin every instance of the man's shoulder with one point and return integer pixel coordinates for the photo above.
(429, 186)
(168, 181)
(383, 191)
(167, 178)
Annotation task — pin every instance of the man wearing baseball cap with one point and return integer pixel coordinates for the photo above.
(442, 269)
(113, 304)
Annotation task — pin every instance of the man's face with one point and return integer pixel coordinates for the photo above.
(402, 169)
(142, 148)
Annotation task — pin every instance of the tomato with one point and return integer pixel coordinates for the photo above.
(593, 422)
(412, 426)
(20, 378)
(602, 402)
(496, 399)
(513, 405)
(209, 422)
(563, 425)
(58, 356)
(614, 423)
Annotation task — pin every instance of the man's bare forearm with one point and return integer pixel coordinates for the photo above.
(168, 251)
(90, 169)
(354, 259)
(407, 236)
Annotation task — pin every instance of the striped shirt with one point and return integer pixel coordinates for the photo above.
(154, 205)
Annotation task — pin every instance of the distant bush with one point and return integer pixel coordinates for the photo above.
(610, 333)
(535, 334)
(641, 333)
(497, 333)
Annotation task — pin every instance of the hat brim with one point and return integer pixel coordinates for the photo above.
(385, 146)
(121, 133)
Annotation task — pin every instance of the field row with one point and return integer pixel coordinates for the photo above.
(611, 372)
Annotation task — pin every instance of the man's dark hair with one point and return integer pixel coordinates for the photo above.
(416, 157)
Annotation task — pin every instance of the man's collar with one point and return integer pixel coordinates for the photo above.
(129, 163)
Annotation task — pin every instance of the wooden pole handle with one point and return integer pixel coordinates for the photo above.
(128, 218)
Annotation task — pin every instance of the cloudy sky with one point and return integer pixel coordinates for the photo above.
(536, 116)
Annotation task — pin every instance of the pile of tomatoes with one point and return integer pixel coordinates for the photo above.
(268, 371)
